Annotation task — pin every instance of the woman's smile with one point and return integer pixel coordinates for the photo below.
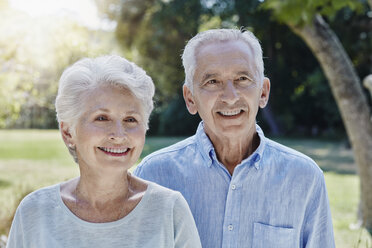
(116, 152)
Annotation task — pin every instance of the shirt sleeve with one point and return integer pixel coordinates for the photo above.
(144, 173)
(138, 171)
(15, 239)
(318, 229)
(185, 232)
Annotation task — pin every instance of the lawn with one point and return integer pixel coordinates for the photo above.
(30, 159)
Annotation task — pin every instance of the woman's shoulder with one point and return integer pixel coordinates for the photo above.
(159, 195)
(41, 197)
(158, 190)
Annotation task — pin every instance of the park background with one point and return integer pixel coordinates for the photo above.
(40, 38)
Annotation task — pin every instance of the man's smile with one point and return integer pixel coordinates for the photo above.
(230, 113)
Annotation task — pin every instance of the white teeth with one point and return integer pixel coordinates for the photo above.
(230, 113)
(114, 150)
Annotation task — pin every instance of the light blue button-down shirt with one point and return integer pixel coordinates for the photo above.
(275, 198)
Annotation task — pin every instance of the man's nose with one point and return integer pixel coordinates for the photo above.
(230, 93)
(118, 131)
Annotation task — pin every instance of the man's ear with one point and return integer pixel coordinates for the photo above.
(66, 134)
(265, 92)
(189, 100)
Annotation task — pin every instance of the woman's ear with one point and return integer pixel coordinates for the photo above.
(66, 134)
(189, 100)
(265, 92)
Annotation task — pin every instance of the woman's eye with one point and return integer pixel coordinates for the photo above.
(101, 118)
(130, 119)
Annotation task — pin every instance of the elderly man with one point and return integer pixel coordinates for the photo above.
(243, 189)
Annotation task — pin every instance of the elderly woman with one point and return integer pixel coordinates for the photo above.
(103, 106)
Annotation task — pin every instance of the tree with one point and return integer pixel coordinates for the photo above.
(33, 54)
(305, 19)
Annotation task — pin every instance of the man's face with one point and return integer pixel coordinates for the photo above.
(226, 95)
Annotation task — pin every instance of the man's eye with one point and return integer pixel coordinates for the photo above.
(244, 78)
(212, 81)
(244, 81)
(101, 118)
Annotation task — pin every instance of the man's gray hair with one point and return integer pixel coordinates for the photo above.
(221, 35)
(87, 74)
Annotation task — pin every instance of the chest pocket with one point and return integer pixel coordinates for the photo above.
(266, 236)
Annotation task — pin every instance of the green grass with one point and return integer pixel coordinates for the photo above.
(30, 159)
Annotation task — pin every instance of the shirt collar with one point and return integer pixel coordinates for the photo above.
(256, 156)
(206, 148)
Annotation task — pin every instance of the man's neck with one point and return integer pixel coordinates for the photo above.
(232, 151)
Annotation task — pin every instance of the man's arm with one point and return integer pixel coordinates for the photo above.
(318, 229)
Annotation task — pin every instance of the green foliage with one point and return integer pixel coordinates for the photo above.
(157, 31)
(301, 12)
(33, 54)
(175, 119)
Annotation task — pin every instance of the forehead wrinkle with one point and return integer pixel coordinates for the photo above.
(242, 72)
(101, 109)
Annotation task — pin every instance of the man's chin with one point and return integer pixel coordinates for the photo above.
(233, 130)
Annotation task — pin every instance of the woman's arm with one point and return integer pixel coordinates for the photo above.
(15, 239)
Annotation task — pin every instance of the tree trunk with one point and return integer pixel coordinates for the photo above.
(351, 101)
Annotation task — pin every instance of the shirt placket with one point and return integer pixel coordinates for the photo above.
(232, 212)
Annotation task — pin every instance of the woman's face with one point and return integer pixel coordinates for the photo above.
(110, 133)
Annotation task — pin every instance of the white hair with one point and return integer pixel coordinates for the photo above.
(87, 74)
(221, 35)
(90, 73)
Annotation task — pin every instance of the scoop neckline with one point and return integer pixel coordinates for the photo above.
(127, 218)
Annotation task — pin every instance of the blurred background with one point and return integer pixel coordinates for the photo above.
(40, 38)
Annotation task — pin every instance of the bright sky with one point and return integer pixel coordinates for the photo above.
(83, 11)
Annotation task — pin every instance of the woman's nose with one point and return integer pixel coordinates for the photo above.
(118, 131)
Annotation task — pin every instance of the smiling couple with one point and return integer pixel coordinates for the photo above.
(228, 184)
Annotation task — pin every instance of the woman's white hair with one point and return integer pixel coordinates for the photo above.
(87, 74)
(221, 35)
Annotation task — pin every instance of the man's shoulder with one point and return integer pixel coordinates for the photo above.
(184, 146)
(168, 162)
(286, 156)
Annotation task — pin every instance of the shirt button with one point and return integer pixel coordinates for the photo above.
(233, 186)
(230, 227)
